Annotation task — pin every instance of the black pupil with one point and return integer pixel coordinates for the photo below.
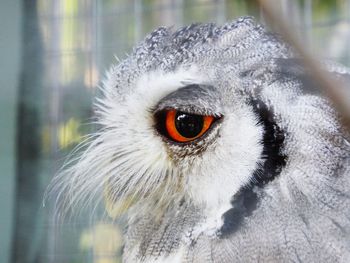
(188, 125)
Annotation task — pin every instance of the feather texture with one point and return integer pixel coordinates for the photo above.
(269, 183)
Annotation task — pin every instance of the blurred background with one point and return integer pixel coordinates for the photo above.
(53, 56)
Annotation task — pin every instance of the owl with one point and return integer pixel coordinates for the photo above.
(217, 145)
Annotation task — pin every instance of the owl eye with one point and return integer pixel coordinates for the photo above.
(184, 127)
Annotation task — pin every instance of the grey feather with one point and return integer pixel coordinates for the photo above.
(301, 213)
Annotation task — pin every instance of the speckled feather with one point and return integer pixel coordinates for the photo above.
(187, 196)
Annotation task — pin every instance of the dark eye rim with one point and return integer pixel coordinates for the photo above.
(159, 125)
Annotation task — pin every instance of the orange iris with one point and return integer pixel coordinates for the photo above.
(171, 127)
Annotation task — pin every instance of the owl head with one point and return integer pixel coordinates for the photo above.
(225, 120)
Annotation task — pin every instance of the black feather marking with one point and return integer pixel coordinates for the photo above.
(247, 199)
(273, 139)
(243, 204)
